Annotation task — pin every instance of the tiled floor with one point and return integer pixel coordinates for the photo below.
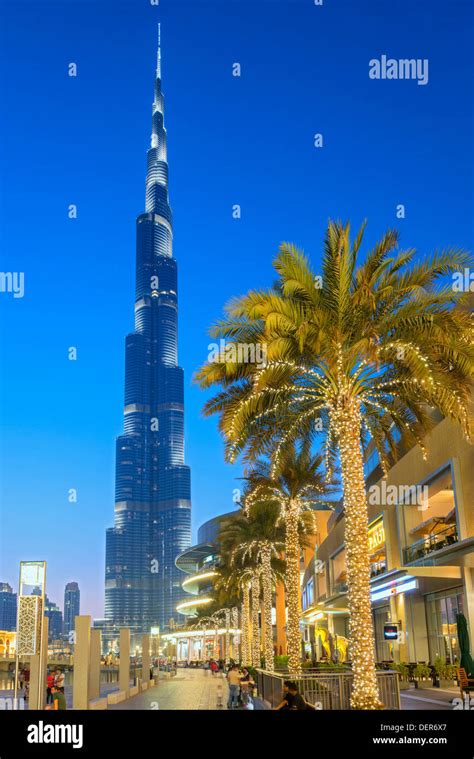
(434, 699)
(189, 689)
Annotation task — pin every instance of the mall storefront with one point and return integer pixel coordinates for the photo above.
(441, 610)
(426, 621)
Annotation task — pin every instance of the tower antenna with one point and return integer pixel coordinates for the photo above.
(158, 60)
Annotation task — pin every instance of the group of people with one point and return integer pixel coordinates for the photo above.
(55, 698)
(241, 686)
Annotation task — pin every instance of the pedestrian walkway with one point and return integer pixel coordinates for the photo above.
(195, 689)
(434, 699)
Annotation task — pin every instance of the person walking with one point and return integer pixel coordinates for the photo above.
(233, 680)
(26, 684)
(49, 686)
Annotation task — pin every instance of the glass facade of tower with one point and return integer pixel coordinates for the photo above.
(8, 607)
(72, 606)
(152, 496)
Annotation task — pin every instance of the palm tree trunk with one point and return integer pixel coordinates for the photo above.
(365, 691)
(227, 636)
(245, 624)
(255, 625)
(292, 552)
(267, 607)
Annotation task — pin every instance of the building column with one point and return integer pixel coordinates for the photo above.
(82, 646)
(124, 667)
(38, 666)
(94, 664)
(145, 658)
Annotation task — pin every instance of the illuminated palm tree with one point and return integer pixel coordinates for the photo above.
(365, 350)
(257, 540)
(297, 486)
(235, 581)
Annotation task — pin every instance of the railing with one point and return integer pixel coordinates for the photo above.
(326, 690)
(431, 543)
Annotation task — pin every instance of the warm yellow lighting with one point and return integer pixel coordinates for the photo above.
(195, 602)
(204, 632)
(313, 617)
(347, 422)
(197, 578)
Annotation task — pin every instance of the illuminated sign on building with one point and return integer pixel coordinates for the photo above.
(376, 536)
(393, 590)
(390, 631)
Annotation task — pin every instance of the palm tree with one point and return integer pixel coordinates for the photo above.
(236, 582)
(369, 350)
(259, 539)
(297, 486)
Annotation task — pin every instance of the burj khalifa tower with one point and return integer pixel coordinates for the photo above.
(152, 492)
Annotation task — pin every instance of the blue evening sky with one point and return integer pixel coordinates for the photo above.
(246, 141)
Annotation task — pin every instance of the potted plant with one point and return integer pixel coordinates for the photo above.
(281, 662)
(450, 676)
(404, 675)
(422, 675)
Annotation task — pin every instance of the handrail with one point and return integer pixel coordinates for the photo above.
(326, 689)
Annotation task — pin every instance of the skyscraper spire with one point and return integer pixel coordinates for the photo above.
(158, 58)
(152, 492)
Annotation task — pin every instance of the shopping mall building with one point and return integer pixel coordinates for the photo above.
(421, 541)
(216, 635)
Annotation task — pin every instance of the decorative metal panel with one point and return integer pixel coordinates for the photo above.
(30, 614)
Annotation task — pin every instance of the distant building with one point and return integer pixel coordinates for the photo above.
(54, 615)
(72, 606)
(7, 607)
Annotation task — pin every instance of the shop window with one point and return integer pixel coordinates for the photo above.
(430, 524)
(441, 610)
(339, 572)
(377, 550)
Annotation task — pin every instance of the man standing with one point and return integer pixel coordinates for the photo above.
(233, 679)
(59, 679)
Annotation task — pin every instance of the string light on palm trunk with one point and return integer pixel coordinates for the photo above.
(245, 624)
(255, 587)
(292, 552)
(347, 424)
(267, 607)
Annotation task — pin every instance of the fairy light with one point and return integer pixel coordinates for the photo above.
(292, 555)
(266, 555)
(245, 623)
(355, 397)
(255, 588)
(227, 636)
(347, 424)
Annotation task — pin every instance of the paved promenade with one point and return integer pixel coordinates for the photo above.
(434, 699)
(195, 689)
